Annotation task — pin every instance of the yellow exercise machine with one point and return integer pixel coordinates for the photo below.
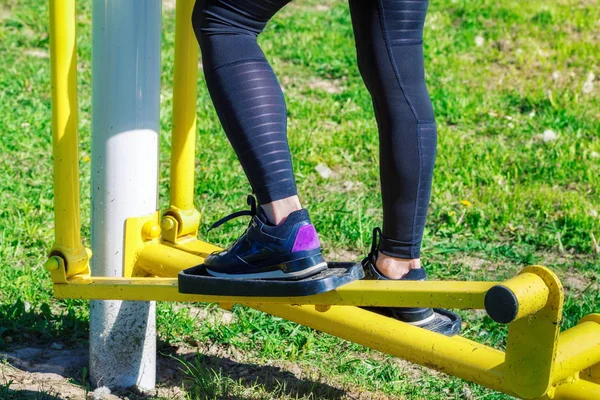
(540, 362)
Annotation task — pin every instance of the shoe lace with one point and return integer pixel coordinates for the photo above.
(252, 212)
(375, 245)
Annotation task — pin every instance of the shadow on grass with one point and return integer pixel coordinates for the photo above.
(21, 324)
(44, 341)
(28, 395)
(212, 377)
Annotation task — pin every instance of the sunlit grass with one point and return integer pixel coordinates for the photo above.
(506, 194)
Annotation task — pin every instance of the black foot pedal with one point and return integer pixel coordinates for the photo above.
(197, 281)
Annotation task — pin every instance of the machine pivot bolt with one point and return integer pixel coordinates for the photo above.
(150, 230)
(52, 264)
(168, 223)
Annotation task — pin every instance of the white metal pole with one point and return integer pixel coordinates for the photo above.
(125, 128)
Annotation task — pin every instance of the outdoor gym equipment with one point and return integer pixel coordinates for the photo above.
(142, 250)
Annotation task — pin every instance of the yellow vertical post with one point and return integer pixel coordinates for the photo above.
(63, 58)
(182, 218)
(532, 343)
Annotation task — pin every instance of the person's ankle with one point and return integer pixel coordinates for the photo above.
(278, 210)
(396, 268)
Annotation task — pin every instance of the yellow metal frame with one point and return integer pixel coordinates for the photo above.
(67, 251)
(180, 223)
(540, 362)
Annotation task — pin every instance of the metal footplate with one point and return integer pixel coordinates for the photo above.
(197, 281)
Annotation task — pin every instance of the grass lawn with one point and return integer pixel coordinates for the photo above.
(517, 96)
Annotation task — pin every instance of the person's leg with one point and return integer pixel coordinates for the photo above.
(389, 42)
(280, 242)
(247, 96)
(389, 47)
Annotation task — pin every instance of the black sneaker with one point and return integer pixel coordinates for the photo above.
(437, 320)
(290, 250)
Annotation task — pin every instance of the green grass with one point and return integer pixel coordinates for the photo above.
(502, 199)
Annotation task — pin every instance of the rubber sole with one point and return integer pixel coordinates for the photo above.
(442, 321)
(425, 321)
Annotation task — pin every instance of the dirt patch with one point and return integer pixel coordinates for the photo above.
(52, 359)
(344, 255)
(213, 315)
(475, 263)
(21, 384)
(4, 13)
(577, 282)
(37, 53)
(52, 373)
(333, 86)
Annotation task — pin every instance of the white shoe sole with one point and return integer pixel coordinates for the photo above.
(425, 321)
(278, 274)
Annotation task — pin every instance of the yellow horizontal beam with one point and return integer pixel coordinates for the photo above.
(456, 356)
(577, 390)
(165, 261)
(578, 349)
(194, 246)
(447, 294)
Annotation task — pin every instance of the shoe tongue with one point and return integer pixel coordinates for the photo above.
(297, 216)
(293, 218)
(412, 275)
(262, 216)
(418, 274)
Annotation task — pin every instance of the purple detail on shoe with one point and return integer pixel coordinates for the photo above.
(306, 239)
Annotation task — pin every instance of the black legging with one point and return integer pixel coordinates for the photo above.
(252, 110)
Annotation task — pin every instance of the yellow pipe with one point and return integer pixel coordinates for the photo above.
(183, 141)
(455, 356)
(63, 66)
(64, 124)
(592, 374)
(577, 390)
(578, 349)
(171, 260)
(532, 292)
(161, 260)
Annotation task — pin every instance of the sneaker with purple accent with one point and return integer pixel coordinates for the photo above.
(437, 320)
(290, 250)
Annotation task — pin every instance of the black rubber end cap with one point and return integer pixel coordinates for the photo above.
(501, 304)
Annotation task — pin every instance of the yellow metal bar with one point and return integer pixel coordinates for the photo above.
(359, 293)
(161, 260)
(63, 61)
(195, 246)
(592, 374)
(578, 348)
(184, 109)
(577, 390)
(455, 356)
(64, 123)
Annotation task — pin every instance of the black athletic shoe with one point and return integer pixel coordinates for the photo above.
(436, 320)
(290, 250)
